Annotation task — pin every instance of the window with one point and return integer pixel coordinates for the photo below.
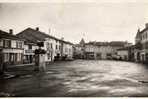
(6, 57)
(7, 43)
(146, 45)
(66, 50)
(1, 42)
(108, 54)
(49, 55)
(59, 47)
(146, 35)
(143, 37)
(29, 46)
(19, 56)
(56, 46)
(47, 46)
(69, 50)
(51, 46)
(19, 44)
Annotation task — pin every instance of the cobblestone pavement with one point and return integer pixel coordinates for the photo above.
(88, 78)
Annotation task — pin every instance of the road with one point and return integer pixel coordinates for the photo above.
(81, 78)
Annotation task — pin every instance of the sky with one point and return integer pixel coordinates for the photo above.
(93, 21)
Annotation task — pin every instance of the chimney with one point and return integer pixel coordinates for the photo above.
(146, 25)
(11, 31)
(138, 30)
(62, 38)
(37, 28)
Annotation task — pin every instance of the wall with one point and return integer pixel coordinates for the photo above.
(102, 50)
(13, 43)
(12, 54)
(123, 54)
(68, 50)
(49, 46)
(28, 51)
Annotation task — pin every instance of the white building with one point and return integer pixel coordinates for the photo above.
(11, 49)
(141, 45)
(79, 50)
(103, 50)
(52, 45)
(67, 50)
(91, 51)
(106, 52)
(29, 55)
(123, 54)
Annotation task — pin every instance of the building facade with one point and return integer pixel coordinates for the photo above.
(103, 50)
(55, 48)
(29, 55)
(91, 51)
(67, 50)
(11, 49)
(123, 54)
(79, 50)
(141, 45)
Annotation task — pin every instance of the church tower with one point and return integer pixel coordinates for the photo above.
(137, 38)
(82, 43)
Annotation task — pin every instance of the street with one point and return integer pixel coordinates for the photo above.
(85, 78)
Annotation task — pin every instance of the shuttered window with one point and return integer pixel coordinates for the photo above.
(7, 43)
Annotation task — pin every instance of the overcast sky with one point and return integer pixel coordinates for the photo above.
(94, 21)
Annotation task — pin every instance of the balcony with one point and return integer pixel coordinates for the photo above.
(29, 51)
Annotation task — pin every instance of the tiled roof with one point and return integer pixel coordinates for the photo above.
(33, 36)
(144, 30)
(6, 35)
(118, 43)
(112, 43)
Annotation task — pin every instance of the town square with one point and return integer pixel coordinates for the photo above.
(74, 49)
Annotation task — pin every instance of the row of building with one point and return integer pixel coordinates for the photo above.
(139, 51)
(102, 50)
(118, 50)
(20, 48)
(141, 45)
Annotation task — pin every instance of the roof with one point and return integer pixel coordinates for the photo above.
(118, 43)
(112, 43)
(7, 35)
(144, 30)
(67, 42)
(138, 33)
(33, 36)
